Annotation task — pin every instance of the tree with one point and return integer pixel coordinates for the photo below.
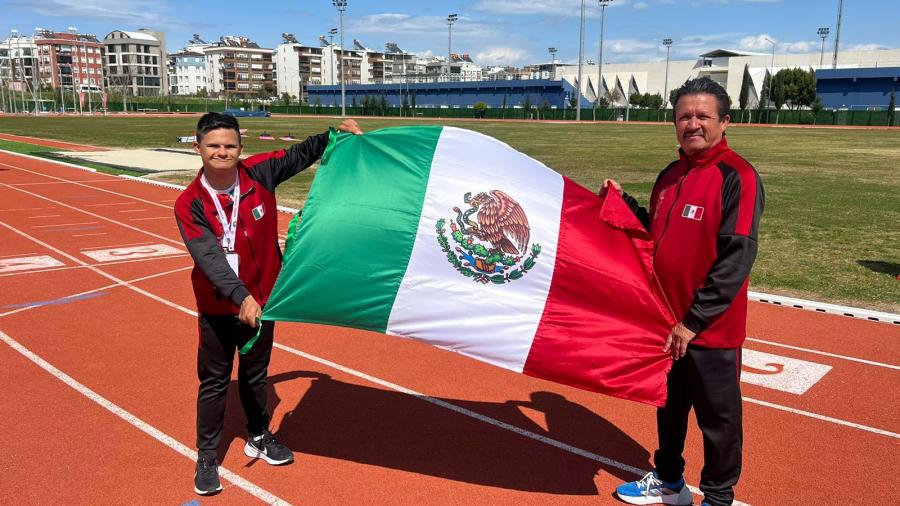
(799, 87)
(479, 109)
(636, 99)
(744, 97)
(527, 106)
(672, 95)
(613, 96)
(383, 105)
(286, 98)
(816, 106)
(413, 99)
(891, 109)
(654, 101)
(602, 102)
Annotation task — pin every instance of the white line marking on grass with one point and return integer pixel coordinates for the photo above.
(825, 353)
(134, 421)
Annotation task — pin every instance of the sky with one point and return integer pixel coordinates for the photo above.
(492, 32)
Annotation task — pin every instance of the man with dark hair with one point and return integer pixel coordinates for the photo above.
(227, 218)
(704, 215)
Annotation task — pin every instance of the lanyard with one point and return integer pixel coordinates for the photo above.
(229, 230)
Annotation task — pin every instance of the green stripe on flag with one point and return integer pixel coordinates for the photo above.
(358, 229)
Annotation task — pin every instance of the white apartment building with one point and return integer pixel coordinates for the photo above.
(188, 73)
(136, 62)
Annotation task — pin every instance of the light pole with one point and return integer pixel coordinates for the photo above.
(603, 4)
(552, 51)
(341, 7)
(451, 18)
(21, 66)
(74, 32)
(668, 43)
(580, 59)
(837, 36)
(823, 33)
(331, 34)
(771, 79)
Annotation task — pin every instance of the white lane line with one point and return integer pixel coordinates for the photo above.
(60, 182)
(16, 255)
(19, 209)
(173, 241)
(133, 211)
(249, 487)
(150, 202)
(824, 418)
(65, 224)
(89, 235)
(72, 267)
(154, 218)
(102, 288)
(44, 216)
(92, 268)
(119, 245)
(825, 353)
(111, 204)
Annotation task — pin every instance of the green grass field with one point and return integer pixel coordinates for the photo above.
(831, 228)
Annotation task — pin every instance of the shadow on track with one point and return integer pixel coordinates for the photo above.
(398, 431)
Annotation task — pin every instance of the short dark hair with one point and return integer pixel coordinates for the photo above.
(704, 85)
(214, 121)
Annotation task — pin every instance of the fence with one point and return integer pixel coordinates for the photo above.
(754, 116)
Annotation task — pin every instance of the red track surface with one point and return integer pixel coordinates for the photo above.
(341, 397)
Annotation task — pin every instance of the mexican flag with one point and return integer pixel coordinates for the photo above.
(451, 237)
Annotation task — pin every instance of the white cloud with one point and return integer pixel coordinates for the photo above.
(757, 43)
(502, 56)
(132, 12)
(863, 47)
(554, 8)
(641, 5)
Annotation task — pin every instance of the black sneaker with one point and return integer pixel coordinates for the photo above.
(206, 477)
(266, 447)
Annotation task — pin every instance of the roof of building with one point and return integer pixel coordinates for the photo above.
(140, 36)
(724, 53)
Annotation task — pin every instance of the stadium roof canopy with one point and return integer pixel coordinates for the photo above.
(724, 53)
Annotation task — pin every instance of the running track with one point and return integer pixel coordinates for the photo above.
(98, 375)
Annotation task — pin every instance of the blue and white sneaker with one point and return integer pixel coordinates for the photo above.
(651, 490)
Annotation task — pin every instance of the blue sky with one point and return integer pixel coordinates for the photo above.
(492, 31)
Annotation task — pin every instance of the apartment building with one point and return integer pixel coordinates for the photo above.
(68, 59)
(238, 66)
(18, 62)
(137, 63)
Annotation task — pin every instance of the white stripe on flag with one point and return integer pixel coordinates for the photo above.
(439, 305)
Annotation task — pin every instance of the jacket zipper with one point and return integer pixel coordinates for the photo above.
(669, 214)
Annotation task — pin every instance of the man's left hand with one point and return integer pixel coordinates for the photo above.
(677, 341)
(351, 126)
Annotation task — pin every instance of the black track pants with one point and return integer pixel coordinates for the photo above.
(709, 381)
(220, 338)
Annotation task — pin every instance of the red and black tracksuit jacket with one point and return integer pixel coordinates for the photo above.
(704, 218)
(217, 289)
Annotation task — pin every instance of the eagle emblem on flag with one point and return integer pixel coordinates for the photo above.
(491, 238)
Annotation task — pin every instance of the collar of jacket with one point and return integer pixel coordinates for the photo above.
(704, 158)
(247, 183)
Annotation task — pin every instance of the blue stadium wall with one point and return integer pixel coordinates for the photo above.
(863, 88)
(454, 95)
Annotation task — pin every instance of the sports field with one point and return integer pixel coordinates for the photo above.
(831, 227)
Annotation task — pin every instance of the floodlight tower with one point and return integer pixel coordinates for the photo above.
(823, 33)
(603, 4)
(668, 43)
(451, 18)
(341, 7)
(331, 34)
(552, 51)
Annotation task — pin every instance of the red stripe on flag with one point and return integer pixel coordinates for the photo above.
(604, 324)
